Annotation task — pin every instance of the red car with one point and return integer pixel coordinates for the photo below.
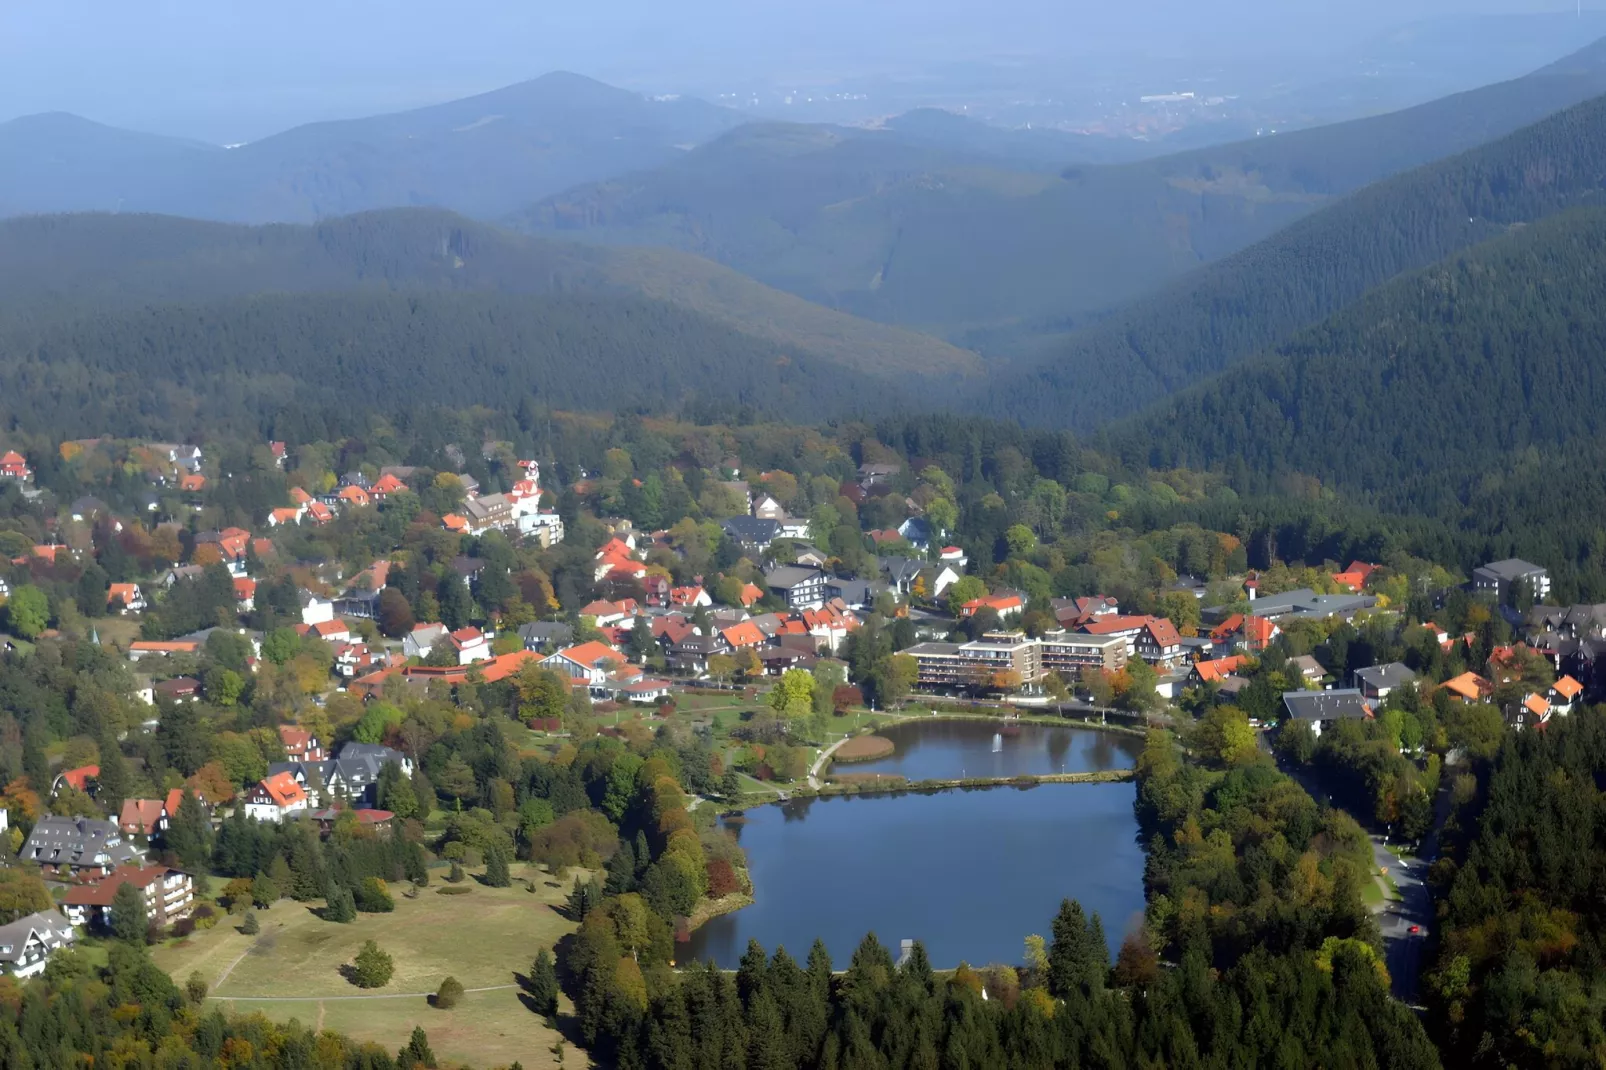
(1415, 929)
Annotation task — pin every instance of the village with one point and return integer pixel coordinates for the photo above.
(463, 598)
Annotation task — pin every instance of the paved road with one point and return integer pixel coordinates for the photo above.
(373, 995)
(1402, 949)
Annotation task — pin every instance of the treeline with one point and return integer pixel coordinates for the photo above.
(1253, 300)
(1518, 979)
(326, 361)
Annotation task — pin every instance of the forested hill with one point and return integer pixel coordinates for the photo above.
(319, 365)
(1472, 388)
(1259, 297)
(483, 155)
(54, 266)
(867, 222)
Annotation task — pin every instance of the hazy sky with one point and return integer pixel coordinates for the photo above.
(223, 69)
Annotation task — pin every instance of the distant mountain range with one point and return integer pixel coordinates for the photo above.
(483, 156)
(953, 242)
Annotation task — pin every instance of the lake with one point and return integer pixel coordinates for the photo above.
(968, 872)
(950, 750)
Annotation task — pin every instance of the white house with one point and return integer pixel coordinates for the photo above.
(316, 610)
(275, 798)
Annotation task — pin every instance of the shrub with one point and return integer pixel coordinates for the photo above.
(372, 968)
(456, 889)
(183, 927)
(205, 916)
(195, 988)
(250, 926)
(456, 874)
(449, 994)
(373, 897)
(721, 879)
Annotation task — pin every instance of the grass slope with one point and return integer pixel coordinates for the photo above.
(939, 238)
(483, 939)
(1253, 300)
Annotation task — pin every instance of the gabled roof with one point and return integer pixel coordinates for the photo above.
(1214, 671)
(122, 592)
(283, 790)
(589, 654)
(1470, 686)
(103, 891)
(1163, 632)
(78, 778)
(744, 634)
(1568, 688)
(1536, 705)
(140, 816)
(1326, 705)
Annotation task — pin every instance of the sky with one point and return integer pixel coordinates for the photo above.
(234, 71)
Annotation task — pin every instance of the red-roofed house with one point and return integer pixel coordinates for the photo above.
(1213, 672)
(387, 485)
(604, 612)
(174, 800)
(278, 452)
(471, 645)
(14, 466)
(587, 663)
(275, 798)
(1005, 605)
(1354, 577)
(689, 597)
(169, 895)
(1469, 687)
(245, 593)
(299, 496)
(330, 631)
(1258, 633)
(751, 594)
(290, 514)
(455, 523)
(300, 745)
(354, 497)
(78, 779)
(125, 598)
(743, 634)
(140, 817)
(192, 483)
(319, 513)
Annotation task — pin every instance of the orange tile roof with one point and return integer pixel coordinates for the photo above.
(324, 629)
(123, 592)
(500, 668)
(1214, 671)
(454, 522)
(171, 646)
(244, 587)
(1568, 688)
(1536, 705)
(354, 495)
(81, 776)
(103, 891)
(140, 816)
(1469, 685)
(389, 484)
(1164, 633)
(588, 654)
(175, 798)
(1259, 629)
(192, 481)
(744, 633)
(283, 790)
(288, 515)
(319, 512)
(750, 594)
(299, 496)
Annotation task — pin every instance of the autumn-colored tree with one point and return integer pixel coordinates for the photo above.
(206, 554)
(748, 663)
(211, 782)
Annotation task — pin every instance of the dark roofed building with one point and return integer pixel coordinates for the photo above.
(754, 533)
(1376, 681)
(1318, 708)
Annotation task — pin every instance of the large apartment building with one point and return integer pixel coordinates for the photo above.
(1007, 660)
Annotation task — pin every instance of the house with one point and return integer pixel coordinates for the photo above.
(1320, 709)
(617, 559)
(422, 639)
(1503, 579)
(14, 466)
(377, 820)
(178, 689)
(125, 598)
(140, 649)
(1563, 693)
(169, 895)
(280, 454)
(691, 652)
(901, 573)
(1258, 633)
(872, 474)
(299, 497)
(353, 497)
(767, 508)
(80, 779)
(330, 631)
(353, 774)
(175, 799)
(916, 531)
(1378, 681)
(689, 597)
(1160, 644)
(245, 593)
(290, 514)
(275, 797)
(81, 844)
(799, 588)
(604, 612)
(857, 594)
(754, 534)
(587, 663)
(140, 817)
(1310, 670)
(1214, 671)
(810, 556)
(1532, 711)
(1006, 604)
(185, 456)
(1469, 687)
(319, 513)
(751, 595)
(744, 634)
(27, 943)
(300, 745)
(1354, 577)
(471, 645)
(192, 483)
(315, 609)
(546, 634)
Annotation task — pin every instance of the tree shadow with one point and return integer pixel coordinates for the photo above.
(349, 972)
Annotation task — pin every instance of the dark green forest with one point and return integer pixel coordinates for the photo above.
(1249, 302)
(60, 266)
(1433, 395)
(1520, 978)
(306, 363)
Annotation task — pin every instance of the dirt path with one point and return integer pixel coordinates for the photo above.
(373, 995)
(224, 976)
(321, 1011)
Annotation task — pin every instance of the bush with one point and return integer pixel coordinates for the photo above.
(456, 889)
(449, 994)
(456, 873)
(250, 926)
(372, 968)
(721, 879)
(195, 988)
(183, 927)
(205, 916)
(373, 897)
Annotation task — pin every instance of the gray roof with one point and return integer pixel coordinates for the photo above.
(1307, 665)
(855, 592)
(52, 928)
(900, 569)
(1306, 603)
(1512, 568)
(788, 576)
(1325, 705)
(77, 841)
(542, 632)
(751, 529)
(1386, 677)
(933, 648)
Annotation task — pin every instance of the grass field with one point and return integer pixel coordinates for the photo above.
(483, 938)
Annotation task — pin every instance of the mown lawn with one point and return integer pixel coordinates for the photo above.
(482, 938)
